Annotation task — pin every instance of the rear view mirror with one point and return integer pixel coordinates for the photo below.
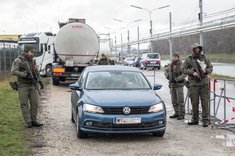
(74, 86)
(157, 86)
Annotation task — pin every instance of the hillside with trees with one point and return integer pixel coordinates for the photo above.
(215, 42)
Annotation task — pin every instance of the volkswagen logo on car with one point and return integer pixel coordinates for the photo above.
(126, 110)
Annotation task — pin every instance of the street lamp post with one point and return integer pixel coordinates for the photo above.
(150, 20)
(128, 32)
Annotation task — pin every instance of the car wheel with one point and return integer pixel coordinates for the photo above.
(80, 133)
(142, 66)
(48, 71)
(159, 134)
(158, 68)
(72, 119)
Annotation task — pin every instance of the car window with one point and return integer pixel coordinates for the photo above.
(81, 78)
(153, 56)
(116, 80)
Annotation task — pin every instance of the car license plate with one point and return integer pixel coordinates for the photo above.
(127, 120)
(153, 62)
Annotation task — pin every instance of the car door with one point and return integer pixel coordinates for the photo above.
(77, 94)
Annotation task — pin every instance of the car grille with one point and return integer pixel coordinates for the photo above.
(142, 125)
(119, 110)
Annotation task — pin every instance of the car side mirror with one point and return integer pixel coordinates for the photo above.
(75, 86)
(157, 86)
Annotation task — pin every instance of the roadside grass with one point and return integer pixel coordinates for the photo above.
(225, 58)
(13, 137)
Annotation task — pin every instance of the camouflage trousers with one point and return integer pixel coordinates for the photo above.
(177, 99)
(28, 97)
(201, 92)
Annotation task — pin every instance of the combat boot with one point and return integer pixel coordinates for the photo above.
(174, 116)
(29, 125)
(193, 122)
(36, 124)
(180, 117)
(205, 123)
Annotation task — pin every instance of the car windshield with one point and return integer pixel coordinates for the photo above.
(116, 80)
(153, 56)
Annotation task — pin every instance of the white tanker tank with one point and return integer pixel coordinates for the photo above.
(76, 44)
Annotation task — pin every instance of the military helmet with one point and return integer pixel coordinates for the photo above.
(28, 47)
(195, 45)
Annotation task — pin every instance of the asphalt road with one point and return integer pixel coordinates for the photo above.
(58, 136)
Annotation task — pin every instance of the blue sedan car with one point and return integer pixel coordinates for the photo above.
(116, 99)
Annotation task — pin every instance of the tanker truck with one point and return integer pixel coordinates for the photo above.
(76, 45)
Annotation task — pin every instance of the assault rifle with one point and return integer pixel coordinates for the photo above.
(34, 78)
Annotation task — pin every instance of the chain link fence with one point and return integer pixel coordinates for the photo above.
(8, 52)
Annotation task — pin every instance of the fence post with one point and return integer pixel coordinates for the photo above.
(10, 52)
(4, 57)
(225, 103)
(0, 60)
(214, 96)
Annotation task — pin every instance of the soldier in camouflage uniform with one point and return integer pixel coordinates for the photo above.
(26, 88)
(197, 66)
(103, 60)
(176, 83)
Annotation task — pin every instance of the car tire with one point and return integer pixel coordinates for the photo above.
(159, 134)
(72, 118)
(158, 68)
(48, 71)
(79, 132)
(142, 67)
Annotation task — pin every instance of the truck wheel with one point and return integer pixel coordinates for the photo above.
(55, 81)
(48, 71)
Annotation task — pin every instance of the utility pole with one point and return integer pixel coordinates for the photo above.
(138, 37)
(128, 40)
(115, 42)
(121, 48)
(201, 21)
(151, 30)
(170, 39)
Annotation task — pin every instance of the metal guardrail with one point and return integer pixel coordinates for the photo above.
(217, 24)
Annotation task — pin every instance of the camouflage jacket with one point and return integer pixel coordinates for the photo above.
(173, 71)
(103, 61)
(19, 69)
(191, 65)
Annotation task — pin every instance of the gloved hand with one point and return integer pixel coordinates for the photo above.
(41, 85)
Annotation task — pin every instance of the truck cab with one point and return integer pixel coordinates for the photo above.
(43, 50)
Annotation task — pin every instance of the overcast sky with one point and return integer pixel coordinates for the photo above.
(25, 16)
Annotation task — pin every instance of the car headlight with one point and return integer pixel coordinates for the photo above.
(157, 107)
(92, 108)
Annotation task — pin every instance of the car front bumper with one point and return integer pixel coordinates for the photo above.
(104, 123)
